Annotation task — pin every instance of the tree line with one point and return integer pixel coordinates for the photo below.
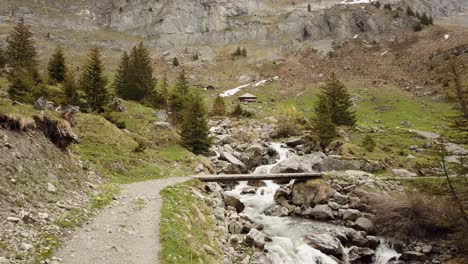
(92, 91)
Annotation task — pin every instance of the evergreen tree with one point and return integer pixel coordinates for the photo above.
(122, 83)
(20, 52)
(309, 8)
(70, 90)
(409, 11)
(339, 102)
(194, 127)
(175, 62)
(425, 19)
(418, 16)
(93, 83)
(238, 52)
(21, 86)
(57, 68)
(219, 107)
(164, 91)
(2, 58)
(244, 52)
(141, 73)
(388, 7)
(178, 98)
(322, 123)
(238, 111)
(431, 20)
(459, 123)
(377, 4)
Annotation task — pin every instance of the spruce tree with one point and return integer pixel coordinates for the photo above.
(175, 62)
(219, 107)
(322, 123)
(122, 83)
(21, 87)
(238, 51)
(178, 98)
(93, 83)
(2, 58)
(377, 4)
(244, 52)
(339, 102)
(70, 90)
(141, 73)
(237, 111)
(309, 8)
(425, 19)
(369, 143)
(57, 68)
(163, 86)
(409, 11)
(194, 127)
(20, 52)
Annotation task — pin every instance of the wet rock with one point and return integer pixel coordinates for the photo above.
(306, 163)
(276, 210)
(360, 255)
(359, 239)
(282, 193)
(374, 242)
(326, 243)
(350, 214)
(231, 159)
(413, 256)
(233, 202)
(365, 224)
(320, 212)
(255, 238)
(249, 190)
(257, 183)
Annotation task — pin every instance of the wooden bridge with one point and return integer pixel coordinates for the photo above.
(256, 177)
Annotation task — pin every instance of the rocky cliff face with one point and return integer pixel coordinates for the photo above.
(219, 22)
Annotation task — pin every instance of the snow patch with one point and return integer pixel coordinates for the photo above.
(233, 91)
(383, 53)
(352, 2)
(446, 36)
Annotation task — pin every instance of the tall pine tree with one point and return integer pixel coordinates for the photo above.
(322, 123)
(93, 83)
(20, 52)
(178, 98)
(2, 58)
(340, 102)
(194, 127)
(70, 90)
(134, 77)
(57, 68)
(21, 87)
(122, 83)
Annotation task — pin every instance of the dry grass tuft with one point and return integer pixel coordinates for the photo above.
(414, 215)
(16, 122)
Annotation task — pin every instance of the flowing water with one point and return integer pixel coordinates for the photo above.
(288, 233)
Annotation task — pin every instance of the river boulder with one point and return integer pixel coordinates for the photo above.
(360, 255)
(311, 192)
(295, 163)
(365, 224)
(320, 212)
(255, 239)
(326, 243)
(233, 202)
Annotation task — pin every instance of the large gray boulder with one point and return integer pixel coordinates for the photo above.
(365, 224)
(233, 202)
(309, 193)
(326, 243)
(403, 173)
(320, 212)
(294, 163)
(231, 159)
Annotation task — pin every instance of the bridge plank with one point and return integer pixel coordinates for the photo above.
(251, 177)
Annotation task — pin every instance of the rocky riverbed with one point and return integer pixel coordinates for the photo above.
(318, 221)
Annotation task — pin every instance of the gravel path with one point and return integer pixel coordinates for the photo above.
(125, 232)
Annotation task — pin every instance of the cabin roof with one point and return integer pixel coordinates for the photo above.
(247, 95)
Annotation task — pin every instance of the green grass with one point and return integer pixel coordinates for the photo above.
(186, 226)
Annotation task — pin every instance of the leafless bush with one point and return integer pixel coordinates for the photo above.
(414, 215)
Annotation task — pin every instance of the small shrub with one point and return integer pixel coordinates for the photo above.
(413, 214)
(368, 143)
(418, 27)
(289, 119)
(142, 144)
(175, 62)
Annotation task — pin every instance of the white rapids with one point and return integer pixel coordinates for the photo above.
(288, 233)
